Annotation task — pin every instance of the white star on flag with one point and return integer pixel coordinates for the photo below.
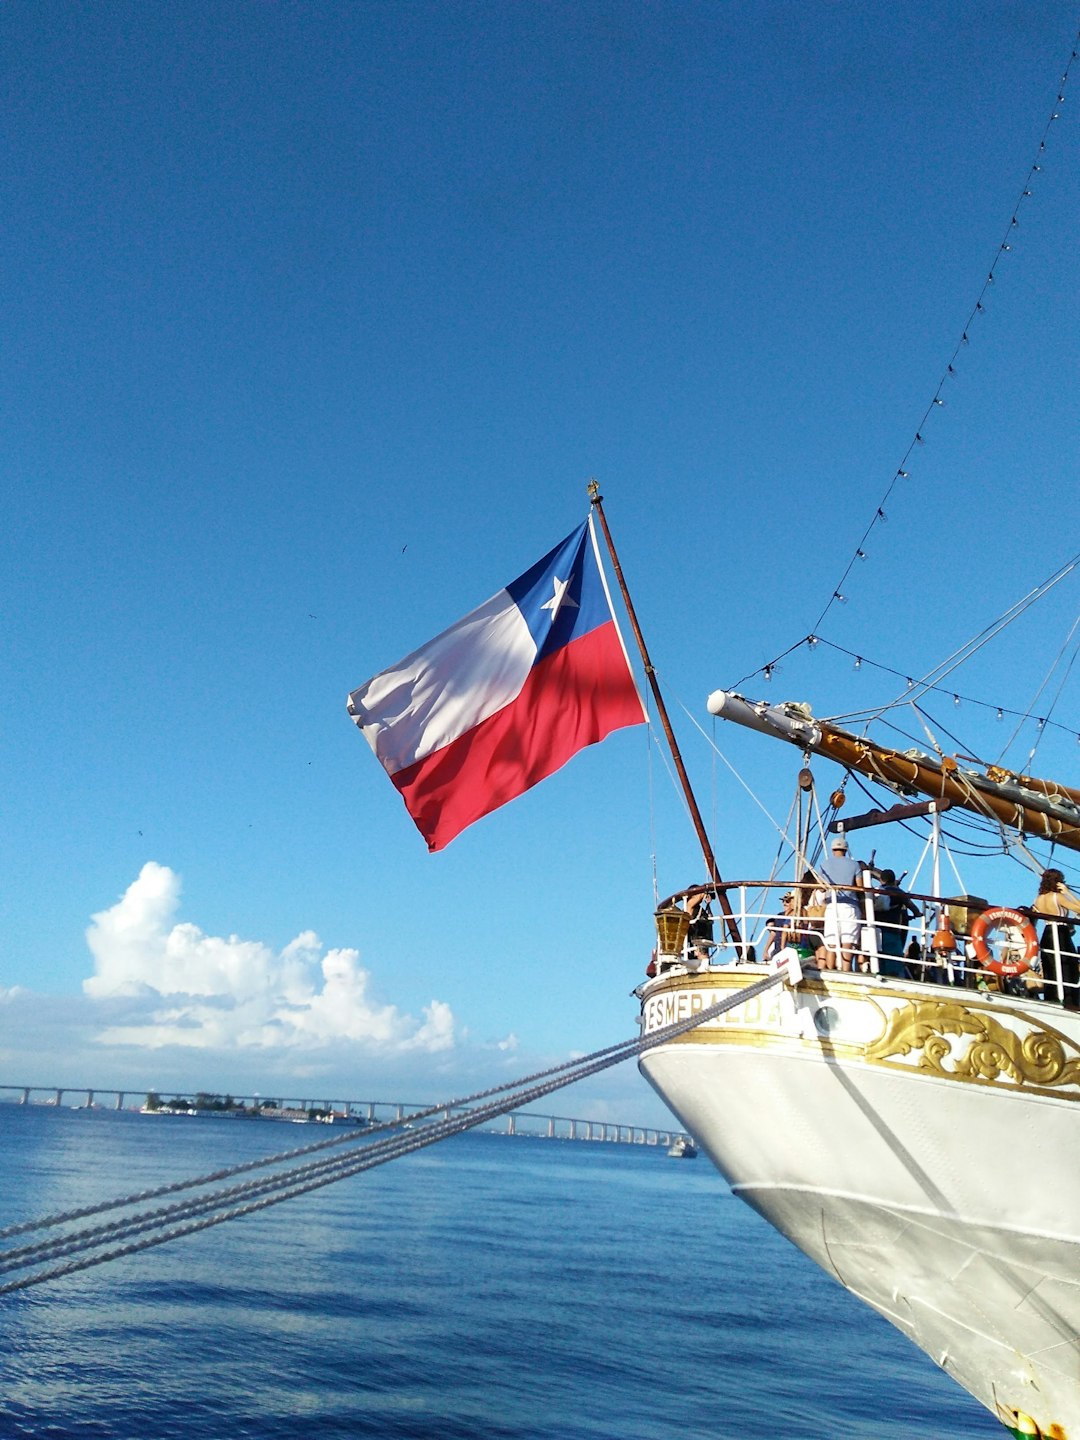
(559, 598)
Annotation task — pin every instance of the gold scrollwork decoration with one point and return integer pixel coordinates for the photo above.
(1037, 1058)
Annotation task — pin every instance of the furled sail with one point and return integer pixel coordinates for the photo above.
(1023, 803)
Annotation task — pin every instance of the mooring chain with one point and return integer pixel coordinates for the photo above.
(285, 1187)
(132, 1224)
(336, 1167)
(301, 1180)
(174, 1187)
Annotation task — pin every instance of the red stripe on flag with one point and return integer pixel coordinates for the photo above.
(571, 699)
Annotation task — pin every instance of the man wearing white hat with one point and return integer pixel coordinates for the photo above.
(842, 922)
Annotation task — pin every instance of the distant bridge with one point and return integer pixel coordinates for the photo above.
(371, 1112)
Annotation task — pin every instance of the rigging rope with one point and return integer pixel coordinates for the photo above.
(1045, 719)
(949, 373)
(957, 697)
(989, 632)
(156, 1227)
(930, 682)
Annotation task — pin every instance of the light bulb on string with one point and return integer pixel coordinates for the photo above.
(811, 641)
(858, 662)
(1000, 713)
(860, 554)
(767, 672)
(956, 699)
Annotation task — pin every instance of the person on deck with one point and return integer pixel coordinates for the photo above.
(842, 919)
(700, 936)
(893, 908)
(779, 929)
(1055, 902)
(789, 929)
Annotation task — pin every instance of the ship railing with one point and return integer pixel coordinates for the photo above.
(933, 946)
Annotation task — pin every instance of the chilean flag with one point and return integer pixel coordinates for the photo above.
(503, 698)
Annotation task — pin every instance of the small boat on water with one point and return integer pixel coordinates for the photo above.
(682, 1148)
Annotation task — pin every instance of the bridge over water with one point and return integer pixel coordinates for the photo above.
(294, 1108)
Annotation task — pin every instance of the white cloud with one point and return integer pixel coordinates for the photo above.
(167, 983)
(172, 1009)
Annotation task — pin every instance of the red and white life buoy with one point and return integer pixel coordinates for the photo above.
(990, 920)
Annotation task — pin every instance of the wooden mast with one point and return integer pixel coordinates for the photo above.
(731, 924)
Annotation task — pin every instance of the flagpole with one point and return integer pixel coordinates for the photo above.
(597, 502)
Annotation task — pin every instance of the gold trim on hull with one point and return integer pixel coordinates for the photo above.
(1036, 1058)
(1008, 1046)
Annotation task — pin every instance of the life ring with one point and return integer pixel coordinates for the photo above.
(989, 920)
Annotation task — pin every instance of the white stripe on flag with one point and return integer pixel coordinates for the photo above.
(436, 694)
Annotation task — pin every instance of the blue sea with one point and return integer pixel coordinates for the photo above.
(488, 1288)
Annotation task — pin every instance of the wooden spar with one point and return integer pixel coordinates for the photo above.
(731, 924)
(943, 780)
(1039, 809)
(887, 817)
(1049, 788)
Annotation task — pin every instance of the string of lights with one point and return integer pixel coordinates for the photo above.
(949, 373)
(902, 471)
(811, 642)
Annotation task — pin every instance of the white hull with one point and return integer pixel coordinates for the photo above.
(921, 1145)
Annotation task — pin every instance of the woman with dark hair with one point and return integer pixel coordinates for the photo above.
(894, 909)
(1055, 902)
(700, 935)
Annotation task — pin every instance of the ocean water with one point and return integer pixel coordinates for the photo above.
(488, 1288)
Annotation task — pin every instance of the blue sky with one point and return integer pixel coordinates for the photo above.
(318, 319)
